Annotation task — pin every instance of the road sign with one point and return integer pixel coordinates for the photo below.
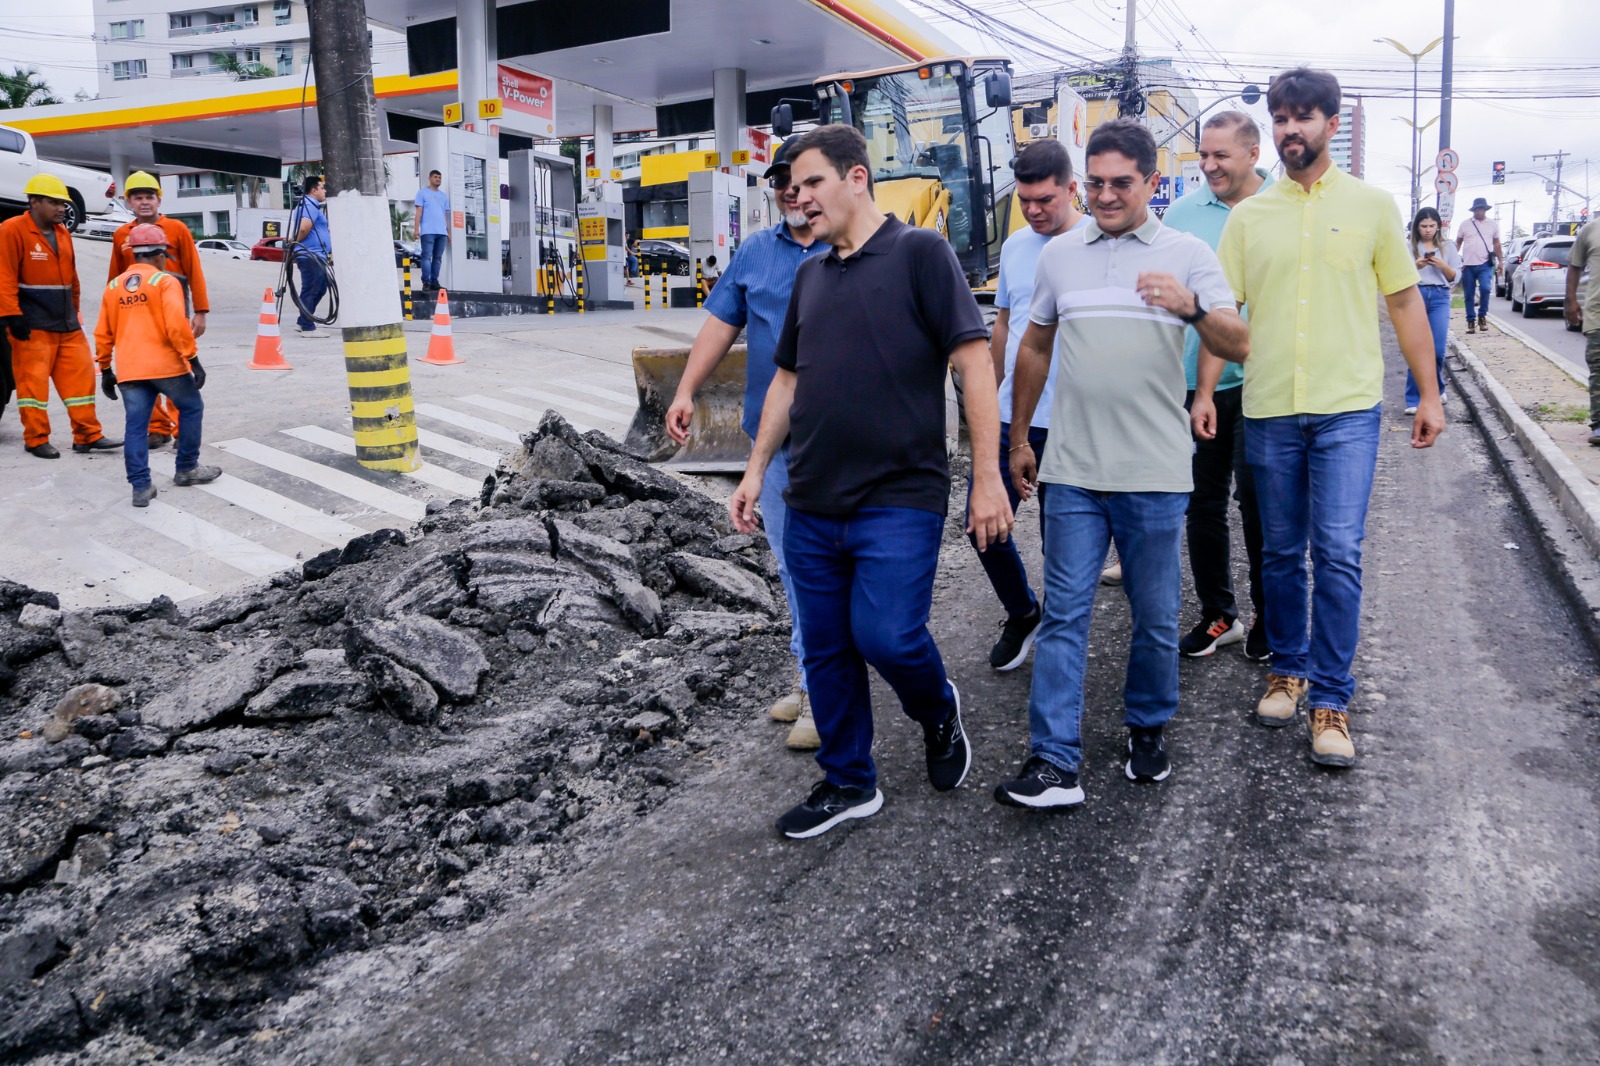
(1448, 159)
(1447, 206)
(1499, 173)
(1446, 181)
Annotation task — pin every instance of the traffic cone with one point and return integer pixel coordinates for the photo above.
(269, 346)
(441, 348)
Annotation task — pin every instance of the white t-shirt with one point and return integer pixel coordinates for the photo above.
(1477, 240)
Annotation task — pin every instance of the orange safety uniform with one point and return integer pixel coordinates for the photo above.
(183, 260)
(143, 321)
(40, 283)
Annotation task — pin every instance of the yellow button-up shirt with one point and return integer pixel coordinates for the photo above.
(1310, 265)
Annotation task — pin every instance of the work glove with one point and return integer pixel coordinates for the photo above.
(108, 383)
(18, 327)
(198, 371)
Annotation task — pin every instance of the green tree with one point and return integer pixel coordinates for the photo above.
(24, 88)
(237, 69)
(1518, 231)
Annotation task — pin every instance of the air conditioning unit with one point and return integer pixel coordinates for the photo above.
(1039, 129)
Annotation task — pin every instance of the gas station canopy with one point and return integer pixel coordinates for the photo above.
(651, 61)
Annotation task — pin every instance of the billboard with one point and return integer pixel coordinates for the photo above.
(530, 101)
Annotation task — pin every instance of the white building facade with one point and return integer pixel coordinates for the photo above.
(1348, 147)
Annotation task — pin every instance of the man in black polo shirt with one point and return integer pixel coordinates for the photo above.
(859, 392)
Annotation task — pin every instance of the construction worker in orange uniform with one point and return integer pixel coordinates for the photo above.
(39, 305)
(144, 325)
(143, 196)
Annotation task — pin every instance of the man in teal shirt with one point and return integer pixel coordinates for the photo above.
(1230, 146)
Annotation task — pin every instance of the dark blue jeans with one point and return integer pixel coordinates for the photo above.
(313, 284)
(1436, 298)
(1475, 282)
(1002, 562)
(1313, 481)
(1148, 529)
(138, 398)
(863, 588)
(432, 255)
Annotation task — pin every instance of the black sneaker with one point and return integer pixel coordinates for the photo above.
(949, 754)
(1040, 784)
(1016, 637)
(1255, 642)
(1209, 635)
(1147, 754)
(826, 807)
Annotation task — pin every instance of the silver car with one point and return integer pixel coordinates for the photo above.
(1541, 279)
(1513, 256)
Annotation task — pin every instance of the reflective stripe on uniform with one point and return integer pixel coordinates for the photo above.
(58, 288)
(77, 401)
(23, 401)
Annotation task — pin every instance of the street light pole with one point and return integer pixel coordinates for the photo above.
(1416, 134)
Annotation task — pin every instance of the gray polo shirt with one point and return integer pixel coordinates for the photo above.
(1118, 423)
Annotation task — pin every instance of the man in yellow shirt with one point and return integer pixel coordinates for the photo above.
(1310, 255)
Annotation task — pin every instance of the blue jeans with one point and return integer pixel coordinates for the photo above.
(1475, 284)
(1002, 562)
(775, 516)
(313, 284)
(863, 588)
(1436, 298)
(1313, 481)
(1148, 530)
(138, 398)
(432, 256)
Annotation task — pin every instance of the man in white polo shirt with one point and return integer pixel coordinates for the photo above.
(1119, 292)
(1478, 241)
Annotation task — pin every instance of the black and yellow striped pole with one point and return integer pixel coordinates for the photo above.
(664, 301)
(549, 289)
(581, 271)
(381, 410)
(644, 272)
(405, 292)
(699, 284)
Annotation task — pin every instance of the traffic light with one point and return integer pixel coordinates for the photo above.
(1499, 173)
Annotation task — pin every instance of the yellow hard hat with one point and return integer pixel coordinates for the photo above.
(47, 185)
(141, 180)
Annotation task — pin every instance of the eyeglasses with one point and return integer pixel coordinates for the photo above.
(1120, 185)
(779, 182)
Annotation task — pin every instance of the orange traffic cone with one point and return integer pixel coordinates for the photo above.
(441, 347)
(269, 346)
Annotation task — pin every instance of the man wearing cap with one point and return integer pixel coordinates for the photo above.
(754, 295)
(144, 324)
(143, 195)
(1478, 241)
(39, 305)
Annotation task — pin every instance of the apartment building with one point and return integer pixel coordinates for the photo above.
(1348, 147)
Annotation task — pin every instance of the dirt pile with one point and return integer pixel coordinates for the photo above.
(200, 808)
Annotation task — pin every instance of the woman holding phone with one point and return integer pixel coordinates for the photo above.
(1439, 265)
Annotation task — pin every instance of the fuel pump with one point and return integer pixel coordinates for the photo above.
(543, 215)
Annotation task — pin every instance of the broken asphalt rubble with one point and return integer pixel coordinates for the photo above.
(202, 811)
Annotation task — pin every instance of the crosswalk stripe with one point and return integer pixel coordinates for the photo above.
(437, 476)
(136, 580)
(257, 560)
(481, 426)
(358, 489)
(605, 414)
(441, 442)
(273, 506)
(515, 411)
(595, 390)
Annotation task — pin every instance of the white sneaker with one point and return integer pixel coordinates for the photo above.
(1411, 410)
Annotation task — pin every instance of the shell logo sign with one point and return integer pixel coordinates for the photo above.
(529, 94)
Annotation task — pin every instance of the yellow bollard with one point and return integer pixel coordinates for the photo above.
(644, 272)
(405, 274)
(699, 284)
(581, 272)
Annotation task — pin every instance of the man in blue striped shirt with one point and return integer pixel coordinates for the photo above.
(753, 294)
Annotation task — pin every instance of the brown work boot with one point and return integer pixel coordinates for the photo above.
(803, 735)
(1284, 697)
(158, 440)
(1472, 326)
(789, 708)
(1330, 738)
(1483, 324)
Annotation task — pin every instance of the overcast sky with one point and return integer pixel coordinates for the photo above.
(1505, 51)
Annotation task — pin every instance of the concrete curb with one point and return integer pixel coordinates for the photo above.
(1555, 360)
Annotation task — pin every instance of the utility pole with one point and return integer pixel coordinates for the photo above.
(385, 425)
(1555, 205)
(1447, 73)
(1130, 96)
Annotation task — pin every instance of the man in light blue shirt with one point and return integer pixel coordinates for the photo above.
(309, 226)
(1046, 191)
(753, 295)
(1230, 146)
(432, 226)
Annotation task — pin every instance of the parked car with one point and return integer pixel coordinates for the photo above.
(1541, 280)
(226, 249)
(106, 225)
(269, 249)
(402, 249)
(1513, 256)
(90, 190)
(665, 257)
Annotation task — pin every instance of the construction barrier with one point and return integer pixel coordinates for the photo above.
(441, 345)
(269, 341)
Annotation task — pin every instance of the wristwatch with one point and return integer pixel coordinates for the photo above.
(1199, 313)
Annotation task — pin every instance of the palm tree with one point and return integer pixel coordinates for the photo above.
(230, 64)
(24, 88)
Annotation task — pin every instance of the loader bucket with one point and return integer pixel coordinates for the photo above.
(717, 443)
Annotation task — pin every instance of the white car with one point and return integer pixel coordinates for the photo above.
(225, 248)
(1541, 279)
(107, 224)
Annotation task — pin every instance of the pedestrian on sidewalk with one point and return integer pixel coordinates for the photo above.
(871, 329)
(1310, 255)
(1439, 268)
(1230, 149)
(144, 327)
(1046, 191)
(630, 265)
(1478, 241)
(309, 225)
(1111, 301)
(143, 196)
(432, 225)
(1585, 316)
(39, 305)
(754, 297)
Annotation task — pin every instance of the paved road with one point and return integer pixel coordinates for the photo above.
(1550, 330)
(1438, 903)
